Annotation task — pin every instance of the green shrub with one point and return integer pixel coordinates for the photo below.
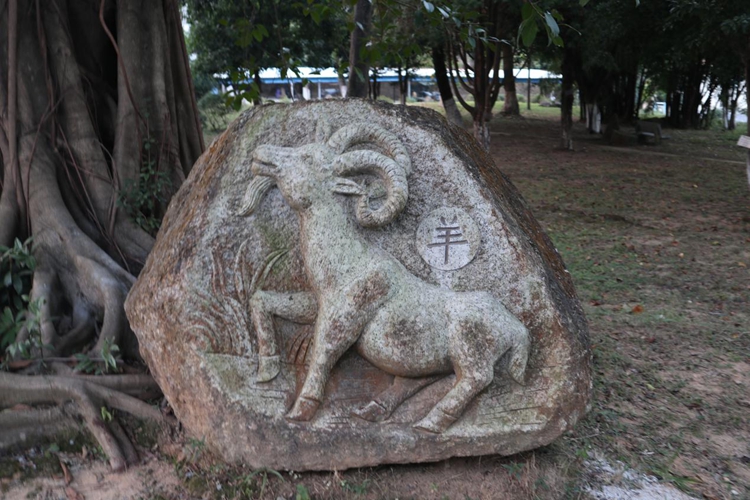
(203, 83)
(213, 111)
(140, 198)
(16, 269)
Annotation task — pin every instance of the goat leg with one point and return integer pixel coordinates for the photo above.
(340, 323)
(335, 332)
(298, 307)
(387, 401)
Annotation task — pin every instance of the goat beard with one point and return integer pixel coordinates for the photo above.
(259, 186)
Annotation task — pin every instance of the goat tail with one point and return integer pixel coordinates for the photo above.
(519, 354)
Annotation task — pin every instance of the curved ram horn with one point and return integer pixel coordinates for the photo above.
(359, 133)
(390, 172)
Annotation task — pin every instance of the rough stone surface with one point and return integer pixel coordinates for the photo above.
(251, 298)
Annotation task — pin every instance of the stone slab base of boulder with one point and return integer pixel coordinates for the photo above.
(191, 307)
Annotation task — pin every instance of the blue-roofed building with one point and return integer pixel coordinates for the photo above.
(421, 85)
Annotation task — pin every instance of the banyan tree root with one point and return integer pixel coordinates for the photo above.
(94, 94)
(76, 398)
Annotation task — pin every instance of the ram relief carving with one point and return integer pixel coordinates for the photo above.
(362, 297)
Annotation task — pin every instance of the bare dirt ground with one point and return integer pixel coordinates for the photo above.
(658, 244)
(658, 241)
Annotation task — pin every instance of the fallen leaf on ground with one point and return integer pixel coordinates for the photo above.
(66, 473)
(637, 309)
(72, 494)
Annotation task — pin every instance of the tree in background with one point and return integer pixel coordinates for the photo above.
(240, 38)
(510, 18)
(474, 62)
(400, 37)
(359, 64)
(98, 129)
(443, 80)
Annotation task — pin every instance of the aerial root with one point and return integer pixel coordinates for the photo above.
(77, 301)
(90, 398)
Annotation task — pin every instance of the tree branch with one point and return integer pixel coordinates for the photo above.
(452, 78)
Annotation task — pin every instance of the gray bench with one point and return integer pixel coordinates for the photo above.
(649, 132)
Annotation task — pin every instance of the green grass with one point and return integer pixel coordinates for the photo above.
(658, 248)
(536, 111)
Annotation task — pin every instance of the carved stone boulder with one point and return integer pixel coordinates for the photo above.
(346, 283)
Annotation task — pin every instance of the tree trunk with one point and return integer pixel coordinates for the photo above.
(641, 91)
(342, 85)
(582, 115)
(593, 118)
(482, 58)
(359, 67)
(482, 133)
(747, 100)
(444, 86)
(403, 83)
(566, 111)
(630, 96)
(510, 106)
(481, 100)
(374, 92)
(257, 101)
(528, 79)
(101, 129)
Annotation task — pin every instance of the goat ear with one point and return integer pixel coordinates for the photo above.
(322, 131)
(347, 186)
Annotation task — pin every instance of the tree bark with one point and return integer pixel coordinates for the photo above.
(444, 86)
(566, 111)
(11, 196)
(102, 103)
(359, 67)
(731, 125)
(528, 79)
(641, 90)
(747, 99)
(259, 83)
(510, 106)
(403, 82)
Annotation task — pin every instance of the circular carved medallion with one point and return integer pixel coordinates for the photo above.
(448, 238)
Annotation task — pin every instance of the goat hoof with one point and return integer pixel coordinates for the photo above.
(303, 410)
(435, 422)
(268, 368)
(372, 412)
